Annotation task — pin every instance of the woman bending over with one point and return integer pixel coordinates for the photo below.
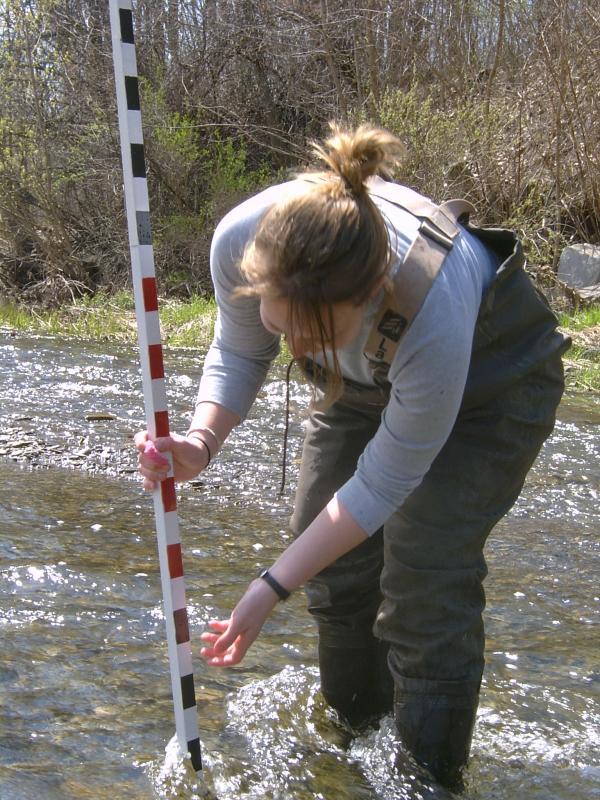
(437, 372)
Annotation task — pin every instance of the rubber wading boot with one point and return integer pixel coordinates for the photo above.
(437, 732)
(356, 682)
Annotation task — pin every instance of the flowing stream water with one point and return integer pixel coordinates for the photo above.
(85, 705)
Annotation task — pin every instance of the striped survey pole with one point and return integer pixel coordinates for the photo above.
(153, 383)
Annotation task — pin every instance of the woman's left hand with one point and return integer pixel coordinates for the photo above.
(232, 638)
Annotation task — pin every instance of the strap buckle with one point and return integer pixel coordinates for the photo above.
(429, 230)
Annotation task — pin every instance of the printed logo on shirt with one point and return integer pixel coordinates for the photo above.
(391, 325)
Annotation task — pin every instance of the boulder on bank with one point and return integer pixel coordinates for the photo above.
(579, 265)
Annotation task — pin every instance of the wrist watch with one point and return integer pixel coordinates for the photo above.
(279, 590)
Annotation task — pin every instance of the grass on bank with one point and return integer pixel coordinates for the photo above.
(190, 323)
(581, 319)
(583, 359)
(111, 317)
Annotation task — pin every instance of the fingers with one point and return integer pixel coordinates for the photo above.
(140, 439)
(161, 443)
(220, 625)
(232, 656)
(153, 466)
(220, 642)
(229, 659)
(228, 640)
(226, 649)
(165, 443)
(151, 472)
(154, 456)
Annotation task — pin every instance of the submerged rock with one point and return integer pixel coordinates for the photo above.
(100, 416)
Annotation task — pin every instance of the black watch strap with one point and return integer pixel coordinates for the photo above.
(279, 590)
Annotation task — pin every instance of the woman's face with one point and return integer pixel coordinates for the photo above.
(346, 318)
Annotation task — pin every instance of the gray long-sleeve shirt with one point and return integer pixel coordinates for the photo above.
(428, 373)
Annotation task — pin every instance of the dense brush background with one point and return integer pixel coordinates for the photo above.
(496, 101)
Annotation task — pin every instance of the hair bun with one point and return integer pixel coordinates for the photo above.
(356, 155)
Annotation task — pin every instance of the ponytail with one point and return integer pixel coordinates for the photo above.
(355, 156)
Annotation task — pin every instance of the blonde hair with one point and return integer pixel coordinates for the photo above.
(328, 243)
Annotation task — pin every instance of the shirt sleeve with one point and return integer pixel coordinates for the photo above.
(242, 349)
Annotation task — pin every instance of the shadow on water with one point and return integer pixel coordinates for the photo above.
(86, 709)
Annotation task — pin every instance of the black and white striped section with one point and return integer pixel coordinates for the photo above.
(153, 383)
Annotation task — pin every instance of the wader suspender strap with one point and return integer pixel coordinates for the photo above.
(416, 274)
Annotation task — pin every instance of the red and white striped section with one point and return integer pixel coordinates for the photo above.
(153, 383)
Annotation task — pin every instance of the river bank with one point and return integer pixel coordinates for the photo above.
(74, 402)
(190, 324)
(111, 318)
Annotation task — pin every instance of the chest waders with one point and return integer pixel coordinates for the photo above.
(400, 616)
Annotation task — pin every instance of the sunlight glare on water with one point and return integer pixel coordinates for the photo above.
(86, 709)
(175, 779)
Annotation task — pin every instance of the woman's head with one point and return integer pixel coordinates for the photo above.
(324, 250)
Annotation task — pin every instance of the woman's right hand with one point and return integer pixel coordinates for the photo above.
(190, 457)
